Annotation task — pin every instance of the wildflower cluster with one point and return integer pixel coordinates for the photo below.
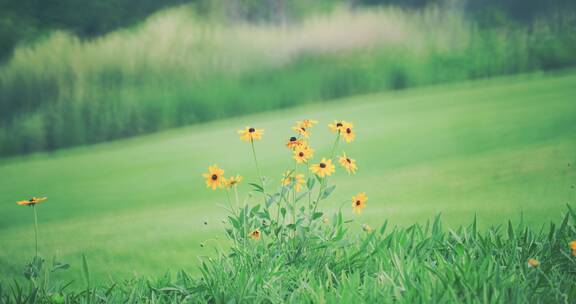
(291, 209)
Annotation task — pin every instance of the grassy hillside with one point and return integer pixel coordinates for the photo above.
(493, 148)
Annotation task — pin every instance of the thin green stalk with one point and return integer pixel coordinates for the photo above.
(236, 195)
(235, 211)
(256, 162)
(293, 175)
(229, 200)
(323, 183)
(294, 205)
(278, 209)
(335, 145)
(35, 229)
(309, 190)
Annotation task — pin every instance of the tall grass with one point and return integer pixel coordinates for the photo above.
(419, 263)
(176, 69)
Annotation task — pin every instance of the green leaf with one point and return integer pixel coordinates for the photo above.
(85, 271)
(564, 224)
(257, 187)
(436, 226)
(384, 226)
(263, 215)
(58, 265)
(510, 230)
(283, 212)
(310, 183)
(271, 198)
(254, 209)
(301, 196)
(235, 223)
(57, 298)
(32, 269)
(328, 191)
(317, 215)
(474, 226)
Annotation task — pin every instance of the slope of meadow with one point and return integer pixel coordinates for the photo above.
(495, 148)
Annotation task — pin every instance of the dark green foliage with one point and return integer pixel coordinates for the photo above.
(28, 19)
(21, 21)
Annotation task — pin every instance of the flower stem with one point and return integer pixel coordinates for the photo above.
(309, 190)
(323, 183)
(294, 205)
(258, 169)
(35, 229)
(230, 201)
(335, 146)
(237, 200)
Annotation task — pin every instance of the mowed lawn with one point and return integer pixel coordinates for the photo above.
(496, 148)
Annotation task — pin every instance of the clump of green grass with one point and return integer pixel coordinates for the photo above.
(419, 263)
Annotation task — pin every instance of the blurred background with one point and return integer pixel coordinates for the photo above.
(113, 109)
(77, 73)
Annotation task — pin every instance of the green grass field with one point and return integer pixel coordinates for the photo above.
(495, 148)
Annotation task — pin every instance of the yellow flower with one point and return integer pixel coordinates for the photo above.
(294, 142)
(367, 228)
(325, 220)
(303, 153)
(324, 168)
(234, 180)
(302, 131)
(287, 179)
(348, 133)
(255, 235)
(214, 177)
(297, 180)
(250, 134)
(533, 263)
(359, 202)
(32, 201)
(572, 245)
(338, 125)
(348, 164)
(306, 123)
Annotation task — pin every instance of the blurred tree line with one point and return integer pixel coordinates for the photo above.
(25, 20)
(64, 92)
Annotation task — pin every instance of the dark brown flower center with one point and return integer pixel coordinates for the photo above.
(303, 129)
(339, 125)
(358, 203)
(293, 138)
(348, 130)
(322, 165)
(251, 130)
(301, 154)
(348, 160)
(214, 177)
